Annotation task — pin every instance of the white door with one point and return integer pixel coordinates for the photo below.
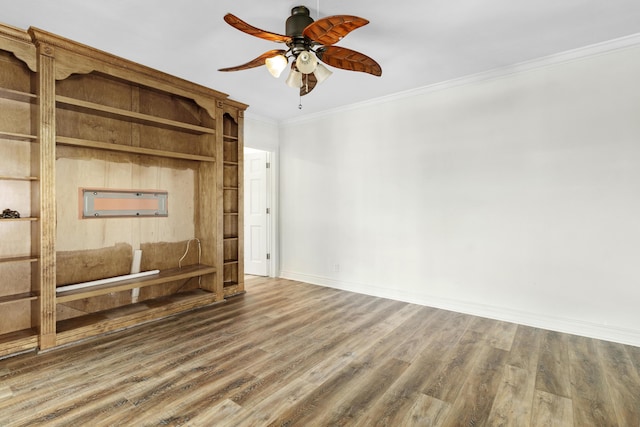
(255, 216)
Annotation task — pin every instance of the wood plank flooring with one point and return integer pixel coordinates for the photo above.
(292, 354)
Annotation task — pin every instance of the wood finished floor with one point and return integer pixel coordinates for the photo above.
(293, 354)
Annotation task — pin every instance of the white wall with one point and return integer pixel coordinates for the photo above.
(261, 134)
(516, 198)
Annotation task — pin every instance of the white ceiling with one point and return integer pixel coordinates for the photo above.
(417, 42)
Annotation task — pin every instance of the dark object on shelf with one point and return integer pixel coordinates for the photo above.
(8, 213)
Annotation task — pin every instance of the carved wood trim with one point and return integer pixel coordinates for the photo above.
(19, 43)
(114, 65)
(236, 104)
(76, 58)
(14, 33)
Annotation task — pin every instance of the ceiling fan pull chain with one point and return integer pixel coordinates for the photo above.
(300, 104)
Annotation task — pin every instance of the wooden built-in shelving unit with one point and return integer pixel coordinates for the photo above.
(232, 204)
(19, 183)
(74, 117)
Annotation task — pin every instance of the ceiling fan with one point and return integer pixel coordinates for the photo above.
(307, 41)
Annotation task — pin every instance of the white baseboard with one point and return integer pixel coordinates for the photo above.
(553, 323)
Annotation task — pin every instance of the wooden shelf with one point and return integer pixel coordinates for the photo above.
(228, 163)
(230, 261)
(18, 259)
(18, 178)
(232, 213)
(27, 296)
(229, 137)
(71, 330)
(79, 105)
(26, 219)
(17, 136)
(163, 277)
(230, 188)
(18, 341)
(17, 95)
(63, 140)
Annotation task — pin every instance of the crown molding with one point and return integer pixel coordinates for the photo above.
(593, 50)
(248, 115)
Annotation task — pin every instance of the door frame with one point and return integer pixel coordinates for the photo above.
(272, 241)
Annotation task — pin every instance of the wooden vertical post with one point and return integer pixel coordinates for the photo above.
(219, 214)
(47, 140)
(240, 123)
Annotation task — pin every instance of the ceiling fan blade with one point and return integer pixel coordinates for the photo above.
(348, 59)
(332, 29)
(309, 81)
(256, 62)
(239, 24)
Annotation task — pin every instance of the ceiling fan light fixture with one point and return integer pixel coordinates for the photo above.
(295, 79)
(307, 42)
(306, 62)
(276, 65)
(322, 73)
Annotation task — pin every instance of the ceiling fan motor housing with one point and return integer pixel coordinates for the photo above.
(300, 18)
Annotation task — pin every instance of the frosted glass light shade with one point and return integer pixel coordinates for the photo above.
(322, 73)
(306, 62)
(295, 79)
(276, 64)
